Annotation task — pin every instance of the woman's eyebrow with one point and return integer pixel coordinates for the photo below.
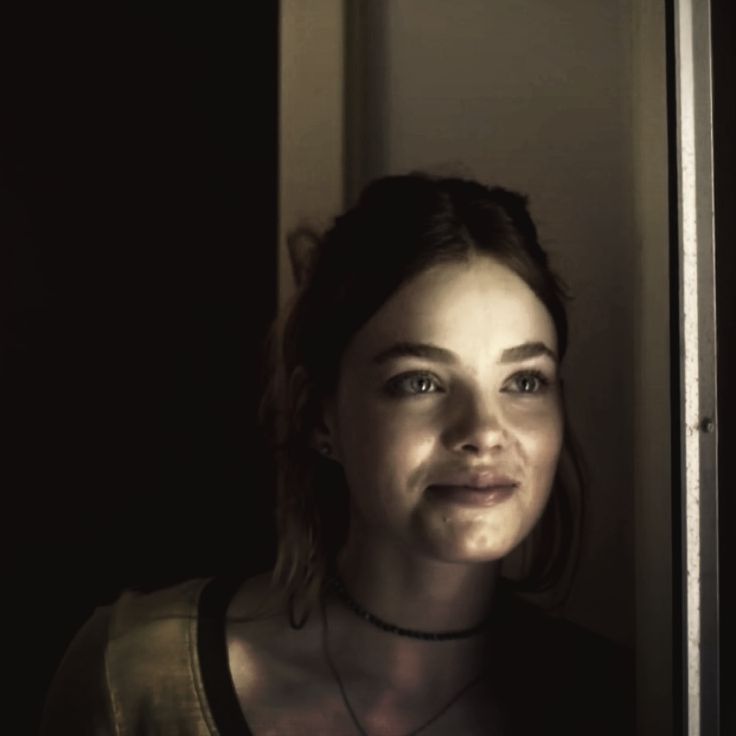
(415, 350)
(525, 351)
(404, 349)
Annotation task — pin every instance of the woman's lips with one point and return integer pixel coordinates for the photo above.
(473, 495)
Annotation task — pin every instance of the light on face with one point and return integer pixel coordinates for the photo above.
(455, 374)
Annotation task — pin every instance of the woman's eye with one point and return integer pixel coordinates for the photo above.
(529, 382)
(413, 384)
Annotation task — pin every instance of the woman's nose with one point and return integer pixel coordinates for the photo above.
(477, 426)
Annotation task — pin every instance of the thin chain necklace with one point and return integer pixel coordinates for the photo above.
(346, 700)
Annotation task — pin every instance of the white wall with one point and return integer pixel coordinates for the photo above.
(653, 511)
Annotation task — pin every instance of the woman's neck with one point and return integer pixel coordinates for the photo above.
(412, 593)
(416, 592)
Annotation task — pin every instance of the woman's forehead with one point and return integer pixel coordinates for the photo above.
(460, 306)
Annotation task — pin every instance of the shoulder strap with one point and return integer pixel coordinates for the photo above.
(153, 668)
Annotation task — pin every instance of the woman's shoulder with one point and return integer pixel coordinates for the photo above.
(259, 628)
(255, 597)
(152, 635)
(120, 654)
(145, 615)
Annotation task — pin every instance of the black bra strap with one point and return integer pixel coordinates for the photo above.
(212, 649)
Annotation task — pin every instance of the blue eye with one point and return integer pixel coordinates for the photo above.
(413, 384)
(529, 382)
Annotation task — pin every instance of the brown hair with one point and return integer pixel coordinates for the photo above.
(400, 226)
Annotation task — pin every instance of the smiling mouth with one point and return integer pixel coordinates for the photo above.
(473, 495)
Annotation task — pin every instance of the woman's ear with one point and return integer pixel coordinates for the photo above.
(322, 444)
(324, 434)
(308, 409)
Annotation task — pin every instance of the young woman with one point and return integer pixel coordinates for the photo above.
(419, 418)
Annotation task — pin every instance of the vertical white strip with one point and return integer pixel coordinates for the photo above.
(690, 353)
(698, 363)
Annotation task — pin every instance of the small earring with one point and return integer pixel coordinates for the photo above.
(325, 449)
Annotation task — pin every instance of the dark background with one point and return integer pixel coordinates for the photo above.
(138, 165)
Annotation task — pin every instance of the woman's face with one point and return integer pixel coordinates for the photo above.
(447, 417)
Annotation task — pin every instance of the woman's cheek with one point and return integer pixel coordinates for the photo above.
(397, 446)
(546, 448)
(539, 431)
(542, 415)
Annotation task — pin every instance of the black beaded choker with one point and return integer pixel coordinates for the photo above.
(337, 585)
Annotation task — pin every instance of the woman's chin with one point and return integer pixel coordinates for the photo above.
(465, 537)
(469, 548)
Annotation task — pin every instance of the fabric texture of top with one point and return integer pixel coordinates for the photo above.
(156, 663)
(152, 663)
